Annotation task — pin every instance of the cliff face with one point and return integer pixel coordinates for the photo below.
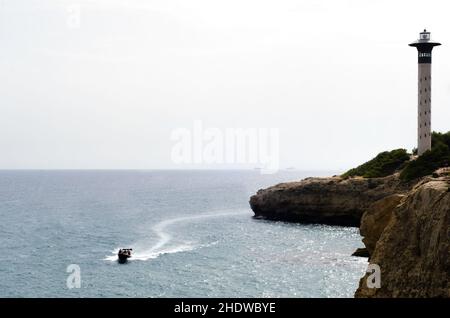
(335, 200)
(406, 227)
(376, 218)
(413, 249)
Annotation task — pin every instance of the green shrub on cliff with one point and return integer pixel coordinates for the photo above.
(437, 138)
(382, 165)
(389, 162)
(427, 163)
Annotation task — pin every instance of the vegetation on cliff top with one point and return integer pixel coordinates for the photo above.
(384, 164)
(427, 163)
(388, 162)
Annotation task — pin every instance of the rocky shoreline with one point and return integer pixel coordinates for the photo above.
(333, 201)
(405, 226)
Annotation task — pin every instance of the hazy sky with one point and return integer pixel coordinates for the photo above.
(336, 77)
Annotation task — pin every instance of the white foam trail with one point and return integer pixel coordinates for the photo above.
(165, 237)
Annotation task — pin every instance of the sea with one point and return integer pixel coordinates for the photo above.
(192, 232)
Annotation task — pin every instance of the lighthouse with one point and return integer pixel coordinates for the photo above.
(424, 47)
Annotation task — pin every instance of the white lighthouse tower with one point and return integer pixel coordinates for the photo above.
(424, 47)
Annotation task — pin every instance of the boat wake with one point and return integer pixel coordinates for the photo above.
(163, 245)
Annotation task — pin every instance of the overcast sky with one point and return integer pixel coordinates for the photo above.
(336, 77)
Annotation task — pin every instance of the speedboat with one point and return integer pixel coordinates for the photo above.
(124, 254)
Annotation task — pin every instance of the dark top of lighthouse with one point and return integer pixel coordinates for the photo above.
(424, 46)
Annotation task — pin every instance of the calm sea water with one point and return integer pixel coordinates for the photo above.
(192, 233)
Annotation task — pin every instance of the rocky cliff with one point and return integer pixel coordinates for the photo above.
(405, 227)
(409, 238)
(376, 218)
(335, 200)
